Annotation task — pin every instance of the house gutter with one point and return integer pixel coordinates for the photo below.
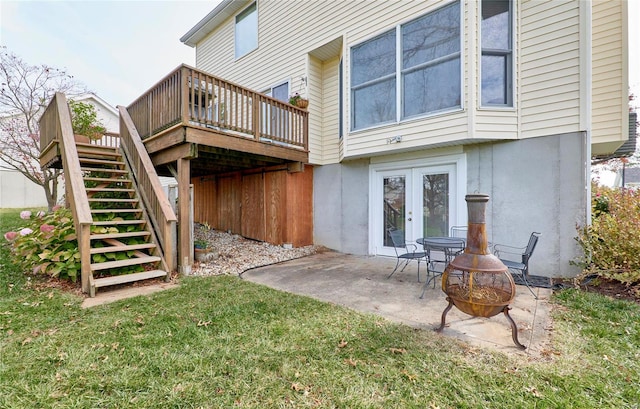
(224, 10)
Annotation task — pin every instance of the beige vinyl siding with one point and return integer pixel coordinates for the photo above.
(330, 111)
(549, 53)
(610, 125)
(440, 130)
(315, 112)
(294, 38)
(288, 32)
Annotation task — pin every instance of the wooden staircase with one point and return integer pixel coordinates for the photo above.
(123, 245)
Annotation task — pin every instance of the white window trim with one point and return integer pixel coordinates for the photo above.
(498, 107)
(457, 160)
(235, 22)
(269, 90)
(399, 120)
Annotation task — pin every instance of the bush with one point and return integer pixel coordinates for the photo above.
(47, 244)
(611, 244)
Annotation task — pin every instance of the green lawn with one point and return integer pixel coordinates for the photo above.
(221, 342)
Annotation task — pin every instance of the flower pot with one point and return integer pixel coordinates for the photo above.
(302, 103)
(81, 138)
(202, 255)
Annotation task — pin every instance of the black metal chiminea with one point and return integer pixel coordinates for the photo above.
(476, 281)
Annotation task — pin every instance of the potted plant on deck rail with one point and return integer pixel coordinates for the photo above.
(85, 123)
(297, 100)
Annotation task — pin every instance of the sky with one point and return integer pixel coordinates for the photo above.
(119, 49)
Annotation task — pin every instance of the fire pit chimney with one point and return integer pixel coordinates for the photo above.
(476, 281)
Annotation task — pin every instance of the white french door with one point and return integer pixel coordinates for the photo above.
(421, 201)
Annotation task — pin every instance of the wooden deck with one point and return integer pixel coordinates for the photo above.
(217, 125)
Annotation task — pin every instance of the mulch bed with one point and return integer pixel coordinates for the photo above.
(610, 288)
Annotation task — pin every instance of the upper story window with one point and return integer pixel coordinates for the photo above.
(246, 30)
(421, 73)
(497, 55)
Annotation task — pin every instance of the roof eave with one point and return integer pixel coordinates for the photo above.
(211, 21)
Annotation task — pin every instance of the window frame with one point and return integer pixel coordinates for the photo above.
(508, 53)
(398, 74)
(238, 18)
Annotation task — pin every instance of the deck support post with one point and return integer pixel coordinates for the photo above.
(185, 255)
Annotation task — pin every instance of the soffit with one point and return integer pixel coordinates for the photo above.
(328, 50)
(224, 10)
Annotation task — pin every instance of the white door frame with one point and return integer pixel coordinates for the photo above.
(458, 212)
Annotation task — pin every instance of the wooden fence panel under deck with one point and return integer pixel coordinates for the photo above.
(271, 204)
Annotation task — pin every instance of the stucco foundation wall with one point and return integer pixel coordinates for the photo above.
(535, 184)
(340, 206)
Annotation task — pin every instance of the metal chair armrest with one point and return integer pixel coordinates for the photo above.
(411, 247)
(505, 249)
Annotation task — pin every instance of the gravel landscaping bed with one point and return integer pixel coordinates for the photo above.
(233, 254)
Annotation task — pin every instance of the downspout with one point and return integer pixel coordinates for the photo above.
(586, 114)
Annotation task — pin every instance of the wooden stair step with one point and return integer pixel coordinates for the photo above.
(112, 200)
(124, 247)
(94, 161)
(128, 278)
(104, 170)
(101, 211)
(106, 180)
(118, 222)
(91, 149)
(84, 145)
(119, 235)
(108, 156)
(109, 189)
(133, 261)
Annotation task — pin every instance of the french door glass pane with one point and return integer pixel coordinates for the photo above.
(435, 205)
(394, 205)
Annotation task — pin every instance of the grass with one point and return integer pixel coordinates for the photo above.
(221, 342)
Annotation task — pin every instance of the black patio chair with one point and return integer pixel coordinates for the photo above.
(405, 251)
(520, 266)
(458, 231)
(440, 252)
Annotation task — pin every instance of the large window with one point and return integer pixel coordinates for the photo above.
(247, 30)
(373, 81)
(428, 62)
(497, 89)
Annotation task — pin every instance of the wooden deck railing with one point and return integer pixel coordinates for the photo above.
(195, 98)
(156, 203)
(55, 125)
(110, 139)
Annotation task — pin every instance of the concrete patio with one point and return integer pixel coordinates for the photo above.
(360, 283)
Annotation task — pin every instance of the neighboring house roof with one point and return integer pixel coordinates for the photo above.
(107, 114)
(223, 11)
(631, 177)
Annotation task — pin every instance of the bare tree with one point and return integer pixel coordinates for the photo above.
(25, 90)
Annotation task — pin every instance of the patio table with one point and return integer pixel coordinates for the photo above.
(448, 247)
